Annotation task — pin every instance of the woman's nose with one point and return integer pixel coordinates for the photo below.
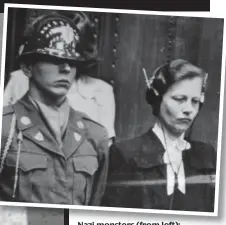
(64, 68)
(188, 108)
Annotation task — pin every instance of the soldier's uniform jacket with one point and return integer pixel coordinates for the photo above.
(42, 172)
(137, 176)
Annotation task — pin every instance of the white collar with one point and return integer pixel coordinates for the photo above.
(173, 158)
(180, 143)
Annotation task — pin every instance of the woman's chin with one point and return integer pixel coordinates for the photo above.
(179, 130)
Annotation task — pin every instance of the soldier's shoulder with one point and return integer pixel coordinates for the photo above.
(7, 116)
(8, 110)
(93, 127)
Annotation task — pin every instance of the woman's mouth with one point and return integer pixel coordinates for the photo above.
(184, 120)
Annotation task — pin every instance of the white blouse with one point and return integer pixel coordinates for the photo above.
(95, 98)
(173, 158)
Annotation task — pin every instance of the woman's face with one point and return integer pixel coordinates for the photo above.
(180, 105)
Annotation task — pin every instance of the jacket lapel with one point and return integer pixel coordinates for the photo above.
(151, 153)
(75, 134)
(29, 121)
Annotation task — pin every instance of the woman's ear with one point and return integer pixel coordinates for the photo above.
(27, 69)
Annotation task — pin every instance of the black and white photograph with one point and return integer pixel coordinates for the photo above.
(108, 109)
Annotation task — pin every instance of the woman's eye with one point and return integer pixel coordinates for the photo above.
(195, 101)
(179, 99)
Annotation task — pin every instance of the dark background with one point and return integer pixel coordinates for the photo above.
(155, 5)
(128, 42)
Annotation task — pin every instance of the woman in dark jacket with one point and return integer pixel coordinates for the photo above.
(162, 169)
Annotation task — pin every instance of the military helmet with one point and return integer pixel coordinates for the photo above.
(57, 35)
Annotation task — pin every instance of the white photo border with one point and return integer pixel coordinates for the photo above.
(125, 11)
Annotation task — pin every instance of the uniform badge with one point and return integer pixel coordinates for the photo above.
(25, 120)
(39, 136)
(80, 124)
(77, 136)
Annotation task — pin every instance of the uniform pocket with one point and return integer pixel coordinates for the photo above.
(85, 167)
(27, 161)
(85, 164)
(32, 175)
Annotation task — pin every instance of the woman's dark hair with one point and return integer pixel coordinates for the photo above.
(168, 74)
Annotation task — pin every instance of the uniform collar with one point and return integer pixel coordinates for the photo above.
(56, 117)
(29, 121)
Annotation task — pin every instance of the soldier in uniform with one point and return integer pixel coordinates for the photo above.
(51, 153)
(88, 93)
